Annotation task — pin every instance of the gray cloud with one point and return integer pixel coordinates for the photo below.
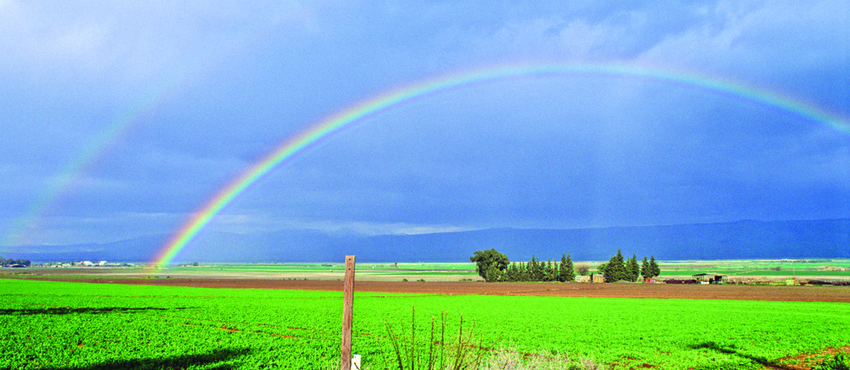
(203, 91)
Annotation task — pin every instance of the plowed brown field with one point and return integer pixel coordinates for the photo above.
(735, 292)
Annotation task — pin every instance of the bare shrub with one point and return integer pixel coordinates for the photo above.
(509, 359)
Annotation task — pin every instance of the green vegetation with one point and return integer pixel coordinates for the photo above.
(494, 266)
(13, 262)
(566, 269)
(836, 269)
(59, 325)
(840, 361)
(801, 267)
(463, 351)
(617, 269)
(491, 264)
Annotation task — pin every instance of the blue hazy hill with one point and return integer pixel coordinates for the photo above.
(733, 240)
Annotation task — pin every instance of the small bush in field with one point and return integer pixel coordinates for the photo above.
(841, 361)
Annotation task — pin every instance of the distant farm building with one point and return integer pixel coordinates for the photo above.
(583, 279)
(597, 278)
(592, 278)
(711, 278)
(680, 281)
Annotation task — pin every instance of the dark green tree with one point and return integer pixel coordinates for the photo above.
(653, 266)
(644, 269)
(522, 275)
(490, 259)
(507, 275)
(602, 267)
(561, 269)
(566, 271)
(493, 274)
(615, 269)
(632, 269)
(535, 271)
(550, 273)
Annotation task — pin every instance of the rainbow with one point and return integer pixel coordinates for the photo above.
(408, 93)
(75, 170)
(173, 82)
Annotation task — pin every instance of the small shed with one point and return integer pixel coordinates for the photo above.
(711, 278)
(597, 278)
(583, 279)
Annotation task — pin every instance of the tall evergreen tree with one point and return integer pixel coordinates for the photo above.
(510, 272)
(656, 271)
(520, 271)
(644, 269)
(562, 269)
(632, 268)
(567, 271)
(536, 272)
(615, 270)
(602, 267)
(549, 273)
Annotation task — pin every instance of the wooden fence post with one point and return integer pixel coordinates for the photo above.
(347, 312)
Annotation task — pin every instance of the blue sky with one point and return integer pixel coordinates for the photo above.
(121, 119)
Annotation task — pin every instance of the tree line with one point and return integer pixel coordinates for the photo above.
(9, 262)
(494, 266)
(617, 269)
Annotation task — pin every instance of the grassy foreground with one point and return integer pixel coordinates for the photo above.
(60, 325)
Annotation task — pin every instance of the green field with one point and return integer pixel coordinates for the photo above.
(61, 325)
(760, 270)
(456, 271)
(773, 268)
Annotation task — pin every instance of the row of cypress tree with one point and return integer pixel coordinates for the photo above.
(494, 266)
(535, 270)
(617, 268)
(10, 261)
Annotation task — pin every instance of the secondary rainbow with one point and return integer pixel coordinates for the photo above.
(75, 171)
(392, 98)
(175, 80)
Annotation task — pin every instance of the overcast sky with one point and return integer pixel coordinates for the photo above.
(120, 119)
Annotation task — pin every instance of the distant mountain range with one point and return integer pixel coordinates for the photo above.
(733, 240)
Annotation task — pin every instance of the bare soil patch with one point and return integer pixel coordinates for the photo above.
(806, 361)
(622, 290)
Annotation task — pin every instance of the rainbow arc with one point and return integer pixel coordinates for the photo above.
(381, 102)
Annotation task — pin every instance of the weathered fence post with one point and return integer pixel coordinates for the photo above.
(347, 312)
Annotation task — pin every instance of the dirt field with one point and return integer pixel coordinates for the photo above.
(623, 290)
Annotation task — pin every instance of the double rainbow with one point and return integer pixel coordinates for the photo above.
(407, 93)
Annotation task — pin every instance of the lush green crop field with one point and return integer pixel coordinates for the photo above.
(762, 269)
(60, 325)
(758, 267)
